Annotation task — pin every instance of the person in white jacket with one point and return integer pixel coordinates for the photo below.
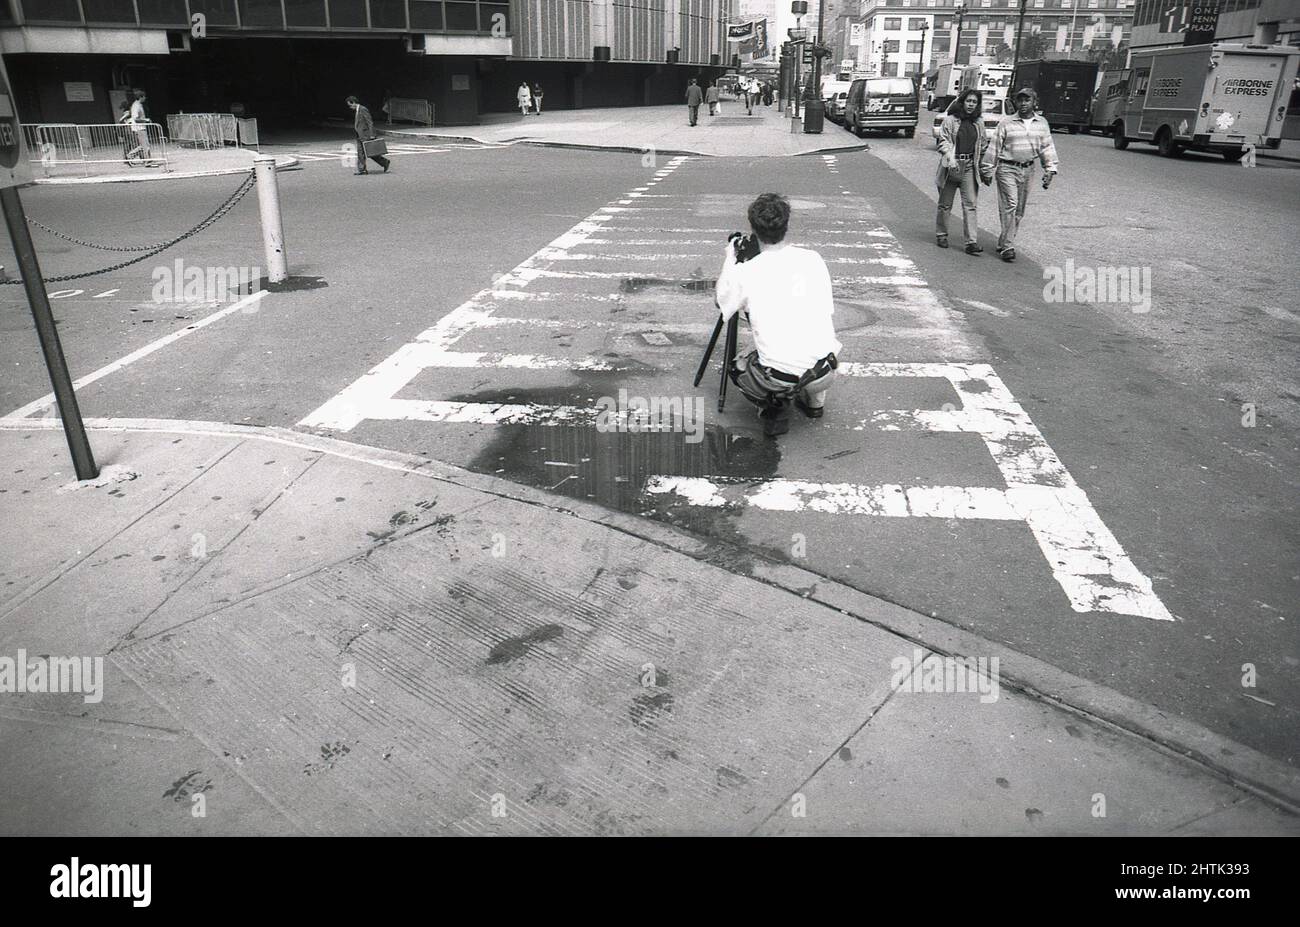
(525, 98)
(785, 292)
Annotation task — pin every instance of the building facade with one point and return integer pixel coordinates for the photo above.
(1259, 22)
(294, 61)
(901, 37)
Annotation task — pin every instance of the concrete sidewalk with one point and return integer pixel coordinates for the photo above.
(182, 164)
(732, 132)
(302, 635)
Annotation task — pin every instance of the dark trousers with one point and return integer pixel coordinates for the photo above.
(772, 395)
(694, 111)
(361, 158)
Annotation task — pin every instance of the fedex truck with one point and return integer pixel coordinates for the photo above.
(1220, 97)
(994, 82)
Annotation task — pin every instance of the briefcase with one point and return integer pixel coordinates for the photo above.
(375, 147)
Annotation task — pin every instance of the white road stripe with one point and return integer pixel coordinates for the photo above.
(47, 400)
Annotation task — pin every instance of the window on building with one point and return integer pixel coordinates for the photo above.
(260, 13)
(427, 14)
(889, 69)
(164, 12)
(109, 11)
(304, 12)
(891, 46)
(914, 48)
(53, 11)
(940, 44)
(487, 10)
(915, 23)
(462, 17)
(1092, 4)
(218, 12)
(388, 14)
(347, 14)
(893, 23)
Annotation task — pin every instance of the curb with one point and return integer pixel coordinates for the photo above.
(1226, 760)
(630, 149)
(290, 163)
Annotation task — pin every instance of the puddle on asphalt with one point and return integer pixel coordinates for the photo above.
(611, 468)
(637, 284)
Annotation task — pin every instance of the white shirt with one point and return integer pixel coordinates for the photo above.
(137, 112)
(787, 292)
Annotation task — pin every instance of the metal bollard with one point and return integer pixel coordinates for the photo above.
(268, 203)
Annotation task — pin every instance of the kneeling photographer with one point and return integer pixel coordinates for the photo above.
(785, 292)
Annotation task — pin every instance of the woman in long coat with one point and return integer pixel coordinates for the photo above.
(961, 146)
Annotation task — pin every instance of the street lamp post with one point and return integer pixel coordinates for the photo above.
(925, 27)
(959, 14)
(1020, 25)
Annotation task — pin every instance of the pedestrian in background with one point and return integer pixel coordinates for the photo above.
(711, 97)
(961, 147)
(1019, 140)
(524, 96)
(140, 128)
(537, 98)
(694, 97)
(767, 94)
(364, 127)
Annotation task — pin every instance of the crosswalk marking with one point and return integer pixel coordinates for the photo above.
(1086, 560)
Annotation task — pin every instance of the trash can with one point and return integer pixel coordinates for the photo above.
(814, 111)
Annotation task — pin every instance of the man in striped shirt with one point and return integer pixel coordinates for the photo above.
(1018, 142)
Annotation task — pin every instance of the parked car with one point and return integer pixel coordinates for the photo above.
(835, 106)
(886, 103)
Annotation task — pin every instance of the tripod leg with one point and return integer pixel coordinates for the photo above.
(728, 358)
(708, 352)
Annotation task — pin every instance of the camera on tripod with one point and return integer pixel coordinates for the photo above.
(745, 246)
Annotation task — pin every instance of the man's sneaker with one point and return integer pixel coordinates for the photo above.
(973, 248)
(1007, 254)
(810, 411)
(941, 241)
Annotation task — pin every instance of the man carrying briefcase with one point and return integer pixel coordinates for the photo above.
(368, 146)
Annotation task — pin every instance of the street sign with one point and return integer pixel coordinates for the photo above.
(1202, 23)
(807, 53)
(14, 167)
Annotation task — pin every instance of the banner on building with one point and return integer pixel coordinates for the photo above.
(760, 39)
(1197, 21)
(855, 33)
(1202, 23)
(741, 32)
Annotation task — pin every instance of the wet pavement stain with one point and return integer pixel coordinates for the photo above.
(646, 708)
(192, 783)
(637, 284)
(512, 648)
(611, 468)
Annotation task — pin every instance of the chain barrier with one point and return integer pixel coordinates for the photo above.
(150, 250)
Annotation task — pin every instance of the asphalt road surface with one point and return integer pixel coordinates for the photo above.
(1074, 479)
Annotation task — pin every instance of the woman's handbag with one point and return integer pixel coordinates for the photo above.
(375, 147)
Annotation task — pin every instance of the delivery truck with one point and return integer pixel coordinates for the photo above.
(945, 87)
(1219, 97)
(1109, 101)
(1064, 90)
(993, 81)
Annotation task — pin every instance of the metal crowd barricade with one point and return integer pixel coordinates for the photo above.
(210, 130)
(248, 133)
(132, 144)
(420, 111)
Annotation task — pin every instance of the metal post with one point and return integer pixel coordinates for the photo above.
(268, 204)
(817, 58)
(960, 15)
(1020, 25)
(83, 461)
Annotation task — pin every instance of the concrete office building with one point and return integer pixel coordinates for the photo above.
(892, 33)
(294, 61)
